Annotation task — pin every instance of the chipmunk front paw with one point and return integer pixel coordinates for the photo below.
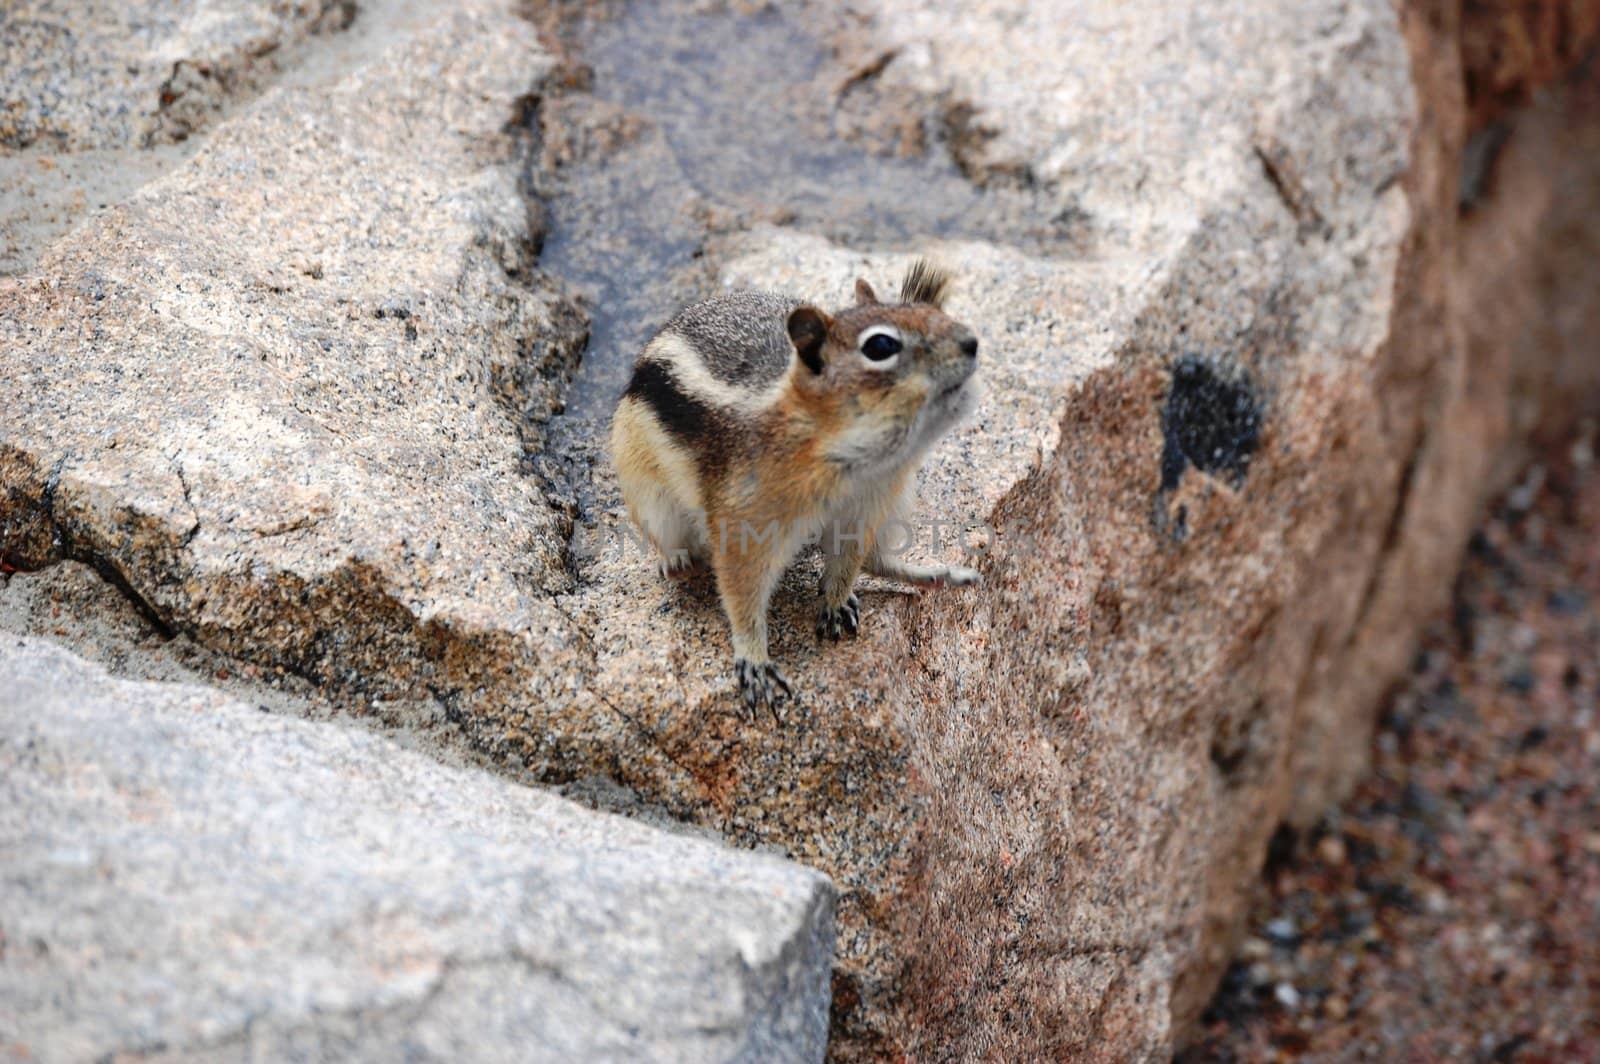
(834, 621)
(761, 685)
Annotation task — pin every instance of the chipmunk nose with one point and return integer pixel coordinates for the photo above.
(969, 345)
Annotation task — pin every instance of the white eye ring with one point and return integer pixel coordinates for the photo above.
(869, 334)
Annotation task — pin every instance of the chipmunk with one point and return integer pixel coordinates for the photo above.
(755, 424)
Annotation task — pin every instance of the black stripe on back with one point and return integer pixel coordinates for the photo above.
(683, 415)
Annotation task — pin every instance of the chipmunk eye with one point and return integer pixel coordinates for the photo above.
(880, 346)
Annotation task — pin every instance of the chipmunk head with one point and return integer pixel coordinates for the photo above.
(898, 374)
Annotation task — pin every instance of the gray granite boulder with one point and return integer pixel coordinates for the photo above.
(295, 398)
(185, 877)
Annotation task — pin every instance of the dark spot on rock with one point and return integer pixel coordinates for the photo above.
(1417, 801)
(1072, 220)
(1234, 1003)
(1533, 737)
(1234, 742)
(1478, 160)
(1180, 524)
(1362, 852)
(1444, 700)
(524, 112)
(1568, 602)
(1509, 1049)
(1520, 680)
(1397, 722)
(1209, 421)
(1463, 619)
(1390, 894)
(1352, 922)
(1281, 849)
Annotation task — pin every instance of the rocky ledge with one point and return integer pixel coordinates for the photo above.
(295, 396)
(184, 877)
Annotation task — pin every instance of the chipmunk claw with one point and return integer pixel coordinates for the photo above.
(673, 564)
(761, 685)
(834, 622)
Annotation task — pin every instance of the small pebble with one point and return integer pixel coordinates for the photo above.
(1282, 931)
(1330, 850)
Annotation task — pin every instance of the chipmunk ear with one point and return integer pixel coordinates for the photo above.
(808, 329)
(864, 293)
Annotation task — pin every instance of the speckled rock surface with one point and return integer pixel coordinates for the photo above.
(184, 877)
(101, 99)
(83, 75)
(303, 368)
(97, 99)
(1237, 430)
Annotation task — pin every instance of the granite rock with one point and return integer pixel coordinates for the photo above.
(184, 877)
(101, 99)
(86, 76)
(1235, 436)
(335, 309)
